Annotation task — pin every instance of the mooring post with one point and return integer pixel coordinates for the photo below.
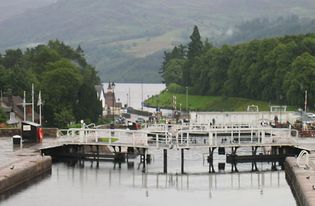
(165, 160)
(143, 159)
(182, 161)
(98, 155)
(210, 159)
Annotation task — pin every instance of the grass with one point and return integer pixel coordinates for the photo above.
(206, 103)
(106, 139)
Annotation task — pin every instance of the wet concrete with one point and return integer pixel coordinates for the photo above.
(301, 180)
(23, 170)
(20, 164)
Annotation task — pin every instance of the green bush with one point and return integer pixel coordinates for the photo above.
(3, 117)
(175, 88)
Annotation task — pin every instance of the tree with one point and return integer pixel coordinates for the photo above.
(195, 47)
(12, 58)
(60, 88)
(2, 116)
(60, 72)
(174, 71)
(301, 78)
(86, 107)
(178, 52)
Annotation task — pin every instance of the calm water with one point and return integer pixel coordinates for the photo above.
(108, 185)
(133, 94)
(83, 185)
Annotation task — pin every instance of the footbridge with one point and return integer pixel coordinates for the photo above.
(275, 142)
(167, 136)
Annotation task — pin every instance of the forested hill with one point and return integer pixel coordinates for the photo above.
(261, 28)
(61, 73)
(276, 70)
(124, 38)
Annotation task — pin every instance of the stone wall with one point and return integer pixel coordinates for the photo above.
(9, 132)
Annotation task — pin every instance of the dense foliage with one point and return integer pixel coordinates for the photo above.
(260, 28)
(2, 116)
(61, 73)
(277, 69)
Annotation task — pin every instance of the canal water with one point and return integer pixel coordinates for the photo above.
(134, 94)
(85, 183)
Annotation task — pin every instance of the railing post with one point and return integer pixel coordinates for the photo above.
(210, 138)
(187, 138)
(133, 138)
(263, 136)
(239, 136)
(181, 136)
(157, 140)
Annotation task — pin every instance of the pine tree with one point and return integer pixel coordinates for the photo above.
(195, 46)
(194, 50)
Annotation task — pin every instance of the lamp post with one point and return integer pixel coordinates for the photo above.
(305, 101)
(186, 99)
(280, 107)
(113, 113)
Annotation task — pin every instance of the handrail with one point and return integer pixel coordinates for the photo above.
(156, 137)
(303, 159)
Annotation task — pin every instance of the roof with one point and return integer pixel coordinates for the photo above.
(31, 123)
(99, 89)
(15, 103)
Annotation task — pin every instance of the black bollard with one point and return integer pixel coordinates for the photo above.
(165, 160)
(182, 161)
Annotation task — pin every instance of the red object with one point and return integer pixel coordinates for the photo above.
(40, 134)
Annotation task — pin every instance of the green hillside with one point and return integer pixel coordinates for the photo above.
(206, 103)
(114, 33)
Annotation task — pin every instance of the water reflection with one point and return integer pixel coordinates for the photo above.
(81, 184)
(232, 181)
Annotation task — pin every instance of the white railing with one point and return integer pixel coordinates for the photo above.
(171, 137)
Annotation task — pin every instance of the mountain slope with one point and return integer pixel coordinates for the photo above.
(117, 32)
(16, 7)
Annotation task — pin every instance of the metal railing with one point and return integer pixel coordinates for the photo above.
(163, 136)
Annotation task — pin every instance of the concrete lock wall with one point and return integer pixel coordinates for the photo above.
(240, 117)
(301, 181)
(23, 171)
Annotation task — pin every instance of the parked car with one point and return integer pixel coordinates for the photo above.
(140, 120)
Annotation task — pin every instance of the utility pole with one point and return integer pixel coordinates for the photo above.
(142, 95)
(24, 106)
(129, 102)
(305, 102)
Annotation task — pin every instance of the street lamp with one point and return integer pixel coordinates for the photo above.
(186, 99)
(280, 107)
(113, 112)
